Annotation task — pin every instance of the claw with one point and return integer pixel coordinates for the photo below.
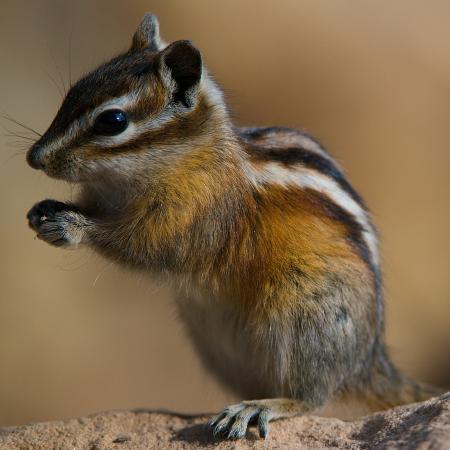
(241, 421)
(263, 423)
(212, 422)
(233, 421)
(225, 419)
(221, 426)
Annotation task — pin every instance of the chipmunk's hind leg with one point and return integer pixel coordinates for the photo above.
(233, 421)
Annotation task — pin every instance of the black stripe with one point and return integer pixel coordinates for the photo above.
(290, 156)
(256, 133)
(250, 133)
(354, 231)
(297, 155)
(356, 238)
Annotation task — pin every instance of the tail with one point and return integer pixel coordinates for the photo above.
(388, 387)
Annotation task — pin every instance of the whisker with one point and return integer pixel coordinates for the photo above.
(61, 79)
(21, 124)
(70, 59)
(55, 83)
(20, 136)
(9, 133)
(14, 155)
(102, 271)
(19, 146)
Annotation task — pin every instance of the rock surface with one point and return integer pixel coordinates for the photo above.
(419, 426)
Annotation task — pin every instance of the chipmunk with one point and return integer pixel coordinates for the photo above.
(271, 252)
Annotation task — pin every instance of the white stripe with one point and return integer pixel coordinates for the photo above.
(274, 173)
(134, 129)
(305, 142)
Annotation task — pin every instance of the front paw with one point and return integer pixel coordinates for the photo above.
(57, 223)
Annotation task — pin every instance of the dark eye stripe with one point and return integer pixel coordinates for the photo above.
(110, 122)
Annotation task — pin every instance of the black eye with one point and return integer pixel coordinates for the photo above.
(110, 122)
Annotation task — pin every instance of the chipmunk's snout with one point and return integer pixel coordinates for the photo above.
(35, 158)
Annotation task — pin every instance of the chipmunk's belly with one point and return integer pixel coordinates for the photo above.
(230, 351)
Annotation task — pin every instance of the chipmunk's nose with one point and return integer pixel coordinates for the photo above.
(34, 157)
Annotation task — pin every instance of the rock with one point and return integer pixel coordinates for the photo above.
(418, 426)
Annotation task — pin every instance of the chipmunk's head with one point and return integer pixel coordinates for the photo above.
(147, 103)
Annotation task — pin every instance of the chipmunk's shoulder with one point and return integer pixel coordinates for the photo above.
(292, 160)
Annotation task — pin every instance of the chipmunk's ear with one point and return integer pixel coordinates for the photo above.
(181, 69)
(147, 34)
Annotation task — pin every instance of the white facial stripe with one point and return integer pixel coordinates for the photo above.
(274, 173)
(135, 129)
(125, 102)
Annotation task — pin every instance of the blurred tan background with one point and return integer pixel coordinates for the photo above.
(370, 79)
